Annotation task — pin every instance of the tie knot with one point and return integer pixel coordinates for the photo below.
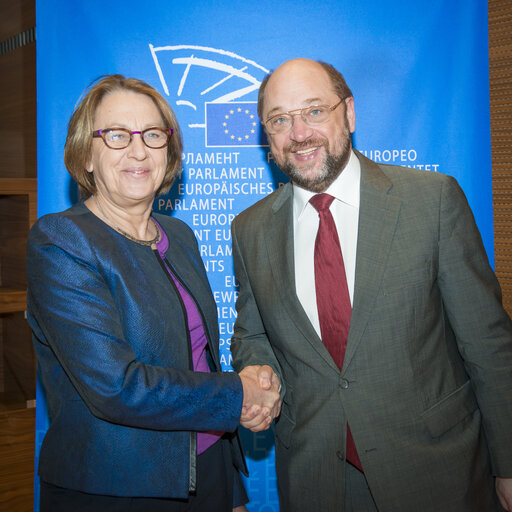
(321, 202)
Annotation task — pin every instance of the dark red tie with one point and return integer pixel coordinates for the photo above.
(332, 297)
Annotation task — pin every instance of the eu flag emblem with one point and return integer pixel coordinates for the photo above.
(233, 124)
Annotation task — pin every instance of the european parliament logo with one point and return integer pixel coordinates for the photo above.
(222, 81)
(233, 124)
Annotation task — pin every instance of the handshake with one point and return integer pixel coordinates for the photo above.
(262, 402)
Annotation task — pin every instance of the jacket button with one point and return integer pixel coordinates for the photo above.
(344, 383)
(340, 455)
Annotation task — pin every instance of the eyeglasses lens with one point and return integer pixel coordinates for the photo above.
(312, 115)
(154, 138)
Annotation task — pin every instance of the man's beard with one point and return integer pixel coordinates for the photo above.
(331, 168)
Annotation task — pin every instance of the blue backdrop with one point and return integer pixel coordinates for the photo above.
(418, 71)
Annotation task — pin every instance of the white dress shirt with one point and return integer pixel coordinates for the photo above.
(345, 210)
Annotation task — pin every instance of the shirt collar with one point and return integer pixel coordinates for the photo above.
(344, 188)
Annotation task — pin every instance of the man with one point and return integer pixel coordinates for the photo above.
(420, 399)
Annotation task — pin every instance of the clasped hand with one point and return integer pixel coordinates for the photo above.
(504, 491)
(262, 402)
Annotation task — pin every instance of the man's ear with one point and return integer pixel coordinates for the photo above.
(350, 113)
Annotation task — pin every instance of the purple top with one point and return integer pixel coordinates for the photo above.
(198, 339)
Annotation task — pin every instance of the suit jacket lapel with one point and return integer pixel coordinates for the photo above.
(378, 216)
(279, 239)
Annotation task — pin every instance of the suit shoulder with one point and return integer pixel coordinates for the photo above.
(415, 184)
(412, 174)
(55, 227)
(263, 208)
(60, 238)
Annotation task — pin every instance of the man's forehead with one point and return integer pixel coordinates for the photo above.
(285, 106)
(286, 91)
(307, 72)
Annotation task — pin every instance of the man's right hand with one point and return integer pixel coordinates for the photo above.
(261, 402)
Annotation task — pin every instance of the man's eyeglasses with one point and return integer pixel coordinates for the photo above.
(283, 122)
(120, 138)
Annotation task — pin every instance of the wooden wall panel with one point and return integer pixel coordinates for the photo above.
(17, 438)
(17, 162)
(16, 16)
(500, 86)
(18, 139)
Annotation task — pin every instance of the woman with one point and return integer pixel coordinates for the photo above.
(125, 326)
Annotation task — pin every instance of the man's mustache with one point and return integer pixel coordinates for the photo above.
(297, 146)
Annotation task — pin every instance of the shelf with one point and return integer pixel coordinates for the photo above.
(21, 187)
(18, 185)
(12, 300)
(18, 199)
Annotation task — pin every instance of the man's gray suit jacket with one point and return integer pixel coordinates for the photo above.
(426, 383)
